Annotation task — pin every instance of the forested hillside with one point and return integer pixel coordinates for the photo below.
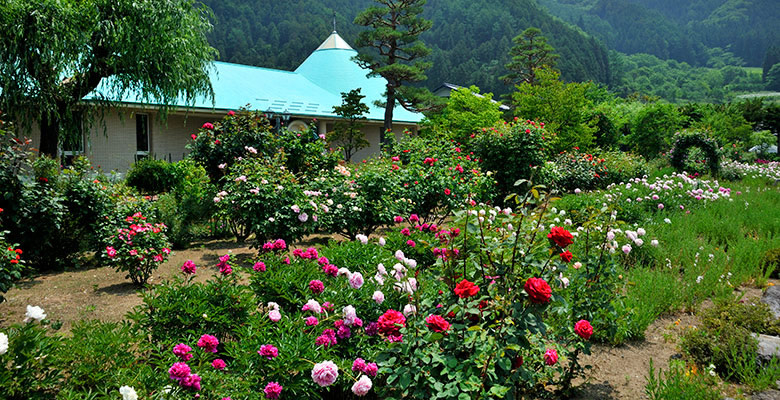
(689, 31)
(470, 39)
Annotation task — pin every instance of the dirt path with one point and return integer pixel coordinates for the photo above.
(103, 293)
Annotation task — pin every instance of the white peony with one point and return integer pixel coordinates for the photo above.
(128, 393)
(3, 343)
(34, 312)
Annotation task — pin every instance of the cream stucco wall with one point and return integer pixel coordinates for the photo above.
(110, 143)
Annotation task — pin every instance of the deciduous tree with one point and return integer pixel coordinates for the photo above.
(55, 52)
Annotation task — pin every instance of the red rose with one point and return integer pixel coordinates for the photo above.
(560, 236)
(517, 362)
(538, 290)
(466, 289)
(437, 323)
(566, 256)
(389, 322)
(583, 329)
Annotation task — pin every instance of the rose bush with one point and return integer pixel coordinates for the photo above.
(138, 248)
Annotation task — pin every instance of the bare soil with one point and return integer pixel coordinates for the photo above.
(618, 372)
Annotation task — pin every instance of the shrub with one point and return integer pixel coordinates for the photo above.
(11, 264)
(31, 368)
(182, 309)
(770, 262)
(189, 205)
(261, 197)
(153, 176)
(510, 151)
(579, 171)
(621, 166)
(652, 128)
(138, 248)
(466, 113)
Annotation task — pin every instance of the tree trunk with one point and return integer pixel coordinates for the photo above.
(389, 109)
(50, 135)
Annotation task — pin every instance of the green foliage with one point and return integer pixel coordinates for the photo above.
(563, 107)
(11, 264)
(577, 170)
(530, 53)
(725, 341)
(153, 176)
(99, 353)
(54, 53)
(465, 114)
(770, 262)
(31, 368)
(511, 151)
(678, 382)
(773, 78)
(725, 123)
(470, 41)
(395, 28)
(189, 205)
(683, 141)
(652, 129)
(347, 133)
(182, 309)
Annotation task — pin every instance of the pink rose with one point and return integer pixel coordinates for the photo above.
(325, 373)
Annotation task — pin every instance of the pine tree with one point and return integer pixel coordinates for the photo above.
(529, 53)
(347, 132)
(394, 35)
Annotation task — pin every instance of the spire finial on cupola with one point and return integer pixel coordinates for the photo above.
(334, 21)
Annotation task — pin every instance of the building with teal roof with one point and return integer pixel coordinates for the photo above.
(292, 98)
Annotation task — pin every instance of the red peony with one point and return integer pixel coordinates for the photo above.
(560, 236)
(391, 322)
(538, 290)
(466, 289)
(583, 329)
(566, 256)
(437, 323)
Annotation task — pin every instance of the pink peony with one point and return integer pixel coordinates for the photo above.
(272, 390)
(188, 267)
(182, 351)
(311, 321)
(356, 280)
(371, 369)
(179, 371)
(362, 386)
(268, 351)
(208, 343)
(219, 364)
(274, 315)
(316, 286)
(325, 373)
(259, 266)
(191, 382)
(358, 365)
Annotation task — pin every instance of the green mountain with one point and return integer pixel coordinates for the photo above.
(694, 31)
(470, 39)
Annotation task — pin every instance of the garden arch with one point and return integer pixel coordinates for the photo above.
(685, 140)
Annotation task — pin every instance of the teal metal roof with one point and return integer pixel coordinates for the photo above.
(313, 89)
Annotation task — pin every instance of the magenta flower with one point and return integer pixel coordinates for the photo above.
(269, 351)
(411, 243)
(219, 364)
(182, 351)
(259, 266)
(110, 251)
(191, 382)
(311, 321)
(188, 267)
(208, 125)
(208, 343)
(179, 371)
(359, 365)
(272, 390)
(316, 286)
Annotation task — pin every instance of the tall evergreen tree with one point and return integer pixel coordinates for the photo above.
(394, 35)
(55, 52)
(771, 58)
(347, 132)
(529, 53)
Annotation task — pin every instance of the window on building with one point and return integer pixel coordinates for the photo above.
(141, 136)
